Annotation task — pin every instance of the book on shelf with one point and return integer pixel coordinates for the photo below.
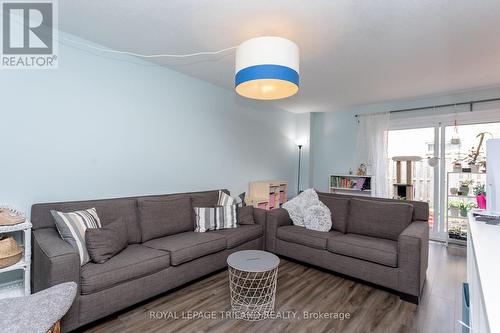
(359, 183)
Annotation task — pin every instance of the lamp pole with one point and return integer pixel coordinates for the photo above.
(298, 173)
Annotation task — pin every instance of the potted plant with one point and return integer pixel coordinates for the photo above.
(465, 207)
(476, 155)
(454, 232)
(480, 194)
(482, 166)
(464, 187)
(453, 190)
(463, 234)
(454, 208)
(457, 166)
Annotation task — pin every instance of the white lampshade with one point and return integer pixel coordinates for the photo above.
(267, 68)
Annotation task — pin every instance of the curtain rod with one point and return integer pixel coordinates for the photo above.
(470, 103)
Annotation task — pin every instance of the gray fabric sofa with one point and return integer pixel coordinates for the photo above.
(381, 241)
(144, 268)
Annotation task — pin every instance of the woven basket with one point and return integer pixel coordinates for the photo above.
(10, 252)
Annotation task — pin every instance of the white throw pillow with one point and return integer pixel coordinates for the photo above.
(318, 217)
(296, 207)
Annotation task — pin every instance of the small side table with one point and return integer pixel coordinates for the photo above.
(252, 283)
(12, 284)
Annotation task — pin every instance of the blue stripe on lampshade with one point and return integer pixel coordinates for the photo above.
(258, 72)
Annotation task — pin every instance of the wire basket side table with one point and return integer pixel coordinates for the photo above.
(252, 283)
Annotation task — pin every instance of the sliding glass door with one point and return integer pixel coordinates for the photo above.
(415, 142)
(441, 143)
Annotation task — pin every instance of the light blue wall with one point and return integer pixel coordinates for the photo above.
(333, 134)
(98, 128)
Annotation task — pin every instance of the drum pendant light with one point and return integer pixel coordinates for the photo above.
(267, 68)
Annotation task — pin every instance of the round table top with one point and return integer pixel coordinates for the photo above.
(253, 261)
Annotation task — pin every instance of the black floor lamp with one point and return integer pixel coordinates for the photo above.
(298, 173)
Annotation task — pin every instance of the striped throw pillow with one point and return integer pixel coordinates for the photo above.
(228, 218)
(205, 218)
(72, 227)
(215, 218)
(225, 199)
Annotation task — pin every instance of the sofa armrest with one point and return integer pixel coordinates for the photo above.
(275, 218)
(54, 260)
(413, 252)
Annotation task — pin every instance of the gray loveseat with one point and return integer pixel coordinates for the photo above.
(382, 241)
(145, 268)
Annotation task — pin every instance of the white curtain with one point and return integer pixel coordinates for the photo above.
(371, 149)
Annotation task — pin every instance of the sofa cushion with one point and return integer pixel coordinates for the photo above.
(377, 250)
(108, 210)
(241, 235)
(303, 236)
(165, 216)
(205, 199)
(339, 208)
(378, 218)
(245, 215)
(134, 262)
(187, 246)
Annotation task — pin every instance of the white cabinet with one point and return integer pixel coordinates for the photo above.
(483, 276)
(477, 313)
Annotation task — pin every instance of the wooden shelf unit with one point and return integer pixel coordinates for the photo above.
(350, 184)
(267, 194)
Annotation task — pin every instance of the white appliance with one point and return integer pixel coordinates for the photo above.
(493, 176)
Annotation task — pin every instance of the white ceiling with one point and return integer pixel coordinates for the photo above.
(353, 52)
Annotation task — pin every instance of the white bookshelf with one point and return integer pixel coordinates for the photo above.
(350, 184)
(15, 279)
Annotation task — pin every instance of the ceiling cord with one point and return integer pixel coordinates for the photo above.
(18, 20)
(150, 55)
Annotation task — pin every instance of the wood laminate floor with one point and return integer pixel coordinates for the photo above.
(303, 288)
